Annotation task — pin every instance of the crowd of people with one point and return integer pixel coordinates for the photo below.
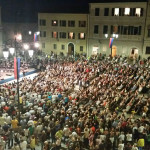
(97, 104)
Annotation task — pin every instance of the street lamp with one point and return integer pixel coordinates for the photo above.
(18, 37)
(11, 50)
(37, 33)
(26, 46)
(30, 32)
(30, 52)
(106, 35)
(6, 53)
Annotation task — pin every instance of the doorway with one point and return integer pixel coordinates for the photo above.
(134, 53)
(114, 51)
(71, 49)
(95, 50)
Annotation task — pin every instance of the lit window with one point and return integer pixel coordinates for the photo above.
(54, 34)
(138, 12)
(116, 12)
(127, 11)
(82, 36)
(54, 23)
(71, 35)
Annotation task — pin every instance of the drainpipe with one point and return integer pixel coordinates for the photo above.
(88, 16)
(145, 27)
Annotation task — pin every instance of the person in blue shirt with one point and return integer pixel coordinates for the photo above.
(66, 100)
(50, 97)
(59, 96)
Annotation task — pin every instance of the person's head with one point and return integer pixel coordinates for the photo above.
(33, 136)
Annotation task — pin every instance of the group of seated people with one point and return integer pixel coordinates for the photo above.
(97, 104)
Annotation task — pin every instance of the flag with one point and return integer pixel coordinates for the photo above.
(35, 37)
(111, 42)
(16, 67)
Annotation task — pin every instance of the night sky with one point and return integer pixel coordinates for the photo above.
(26, 10)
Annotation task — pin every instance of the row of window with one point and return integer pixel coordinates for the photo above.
(123, 30)
(121, 12)
(63, 35)
(62, 47)
(63, 23)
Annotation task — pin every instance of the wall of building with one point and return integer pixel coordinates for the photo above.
(97, 42)
(124, 43)
(49, 41)
(1, 29)
(147, 35)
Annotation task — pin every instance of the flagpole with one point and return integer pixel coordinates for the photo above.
(17, 83)
(18, 93)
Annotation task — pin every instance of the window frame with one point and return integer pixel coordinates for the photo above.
(147, 49)
(81, 48)
(71, 23)
(62, 24)
(106, 13)
(96, 26)
(55, 46)
(79, 36)
(97, 12)
(54, 25)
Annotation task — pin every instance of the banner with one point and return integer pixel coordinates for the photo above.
(35, 37)
(16, 67)
(111, 42)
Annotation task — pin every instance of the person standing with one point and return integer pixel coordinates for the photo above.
(10, 138)
(14, 124)
(43, 139)
(23, 145)
(32, 143)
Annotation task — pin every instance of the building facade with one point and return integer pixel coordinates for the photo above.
(127, 24)
(124, 23)
(63, 33)
(1, 29)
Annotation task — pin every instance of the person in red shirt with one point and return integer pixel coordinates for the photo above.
(93, 129)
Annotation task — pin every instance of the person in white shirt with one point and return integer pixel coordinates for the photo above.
(23, 145)
(129, 137)
(26, 132)
(134, 147)
(66, 132)
(121, 146)
(141, 129)
(121, 137)
(8, 119)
